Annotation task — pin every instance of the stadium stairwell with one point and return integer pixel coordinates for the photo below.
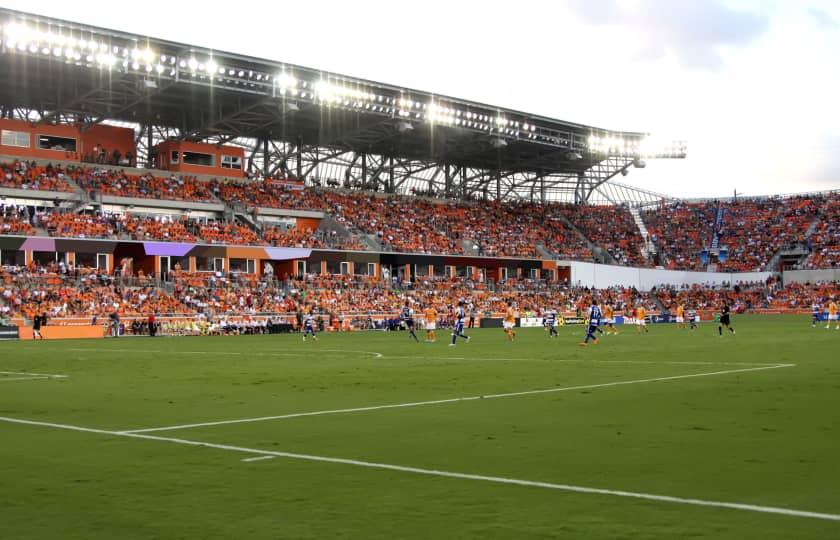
(601, 254)
(648, 247)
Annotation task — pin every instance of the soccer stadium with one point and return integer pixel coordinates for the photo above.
(241, 298)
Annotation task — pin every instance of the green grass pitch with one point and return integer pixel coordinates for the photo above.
(673, 413)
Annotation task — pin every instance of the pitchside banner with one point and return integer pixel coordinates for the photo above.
(9, 332)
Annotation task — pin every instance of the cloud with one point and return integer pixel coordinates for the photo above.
(824, 20)
(693, 32)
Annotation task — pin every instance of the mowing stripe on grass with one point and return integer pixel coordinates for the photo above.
(447, 474)
(236, 353)
(455, 400)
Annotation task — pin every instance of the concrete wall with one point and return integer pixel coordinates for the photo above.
(810, 276)
(605, 275)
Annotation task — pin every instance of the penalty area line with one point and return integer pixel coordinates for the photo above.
(256, 452)
(456, 399)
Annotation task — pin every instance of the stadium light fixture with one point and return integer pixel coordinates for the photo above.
(284, 80)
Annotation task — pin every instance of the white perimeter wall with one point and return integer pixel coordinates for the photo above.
(601, 276)
(811, 276)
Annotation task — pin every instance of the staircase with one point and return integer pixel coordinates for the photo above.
(84, 199)
(601, 254)
(238, 213)
(648, 247)
(544, 252)
(717, 227)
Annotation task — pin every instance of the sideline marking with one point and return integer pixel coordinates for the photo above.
(25, 376)
(455, 400)
(258, 458)
(447, 474)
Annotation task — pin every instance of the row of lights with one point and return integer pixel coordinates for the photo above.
(17, 36)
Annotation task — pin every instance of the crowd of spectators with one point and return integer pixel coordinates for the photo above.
(25, 175)
(824, 242)
(14, 220)
(60, 291)
(117, 182)
(751, 231)
(610, 227)
(680, 231)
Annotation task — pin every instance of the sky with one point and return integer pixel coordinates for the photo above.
(752, 85)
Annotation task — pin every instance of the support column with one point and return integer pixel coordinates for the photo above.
(265, 171)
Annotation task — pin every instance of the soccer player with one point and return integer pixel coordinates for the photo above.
(680, 316)
(832, 316)
(692, 319)
(640, 319)
(309, 326)
(609, 319)
(407, 317)
(594, 321)
(430, 315)
(509, 322)
(816, 309)
(36, 327)
(549, 320)
(724, 320)
(458, 329)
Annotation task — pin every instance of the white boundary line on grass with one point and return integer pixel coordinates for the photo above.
(454, 400)
(447, 474)
(376, 354)
(25, 376)
(258, 458)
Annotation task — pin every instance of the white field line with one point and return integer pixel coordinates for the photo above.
(233, 353)
(584, 361)
(420, 357)
(258, 458)
(456, 399)
(25, 376)
(448, 474)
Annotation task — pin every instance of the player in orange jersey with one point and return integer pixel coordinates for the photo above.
(430, 316)
(680, 316)
(509, 322)
(832, 316)
(609, 319)
(640, 319)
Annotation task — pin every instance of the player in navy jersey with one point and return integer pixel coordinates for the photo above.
(550, 320)
(594, 321)
(309, 326)
(458, 329)
(407, 316)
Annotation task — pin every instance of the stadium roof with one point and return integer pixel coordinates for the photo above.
(64, 71)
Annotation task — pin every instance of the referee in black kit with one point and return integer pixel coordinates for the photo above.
(724, 320)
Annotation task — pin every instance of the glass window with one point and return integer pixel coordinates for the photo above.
(10, 257)
(61, 144)
(198, 158)
(15, 138)
(231, 162)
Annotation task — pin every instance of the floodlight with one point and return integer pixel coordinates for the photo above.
(212, 66)
(193, 64)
